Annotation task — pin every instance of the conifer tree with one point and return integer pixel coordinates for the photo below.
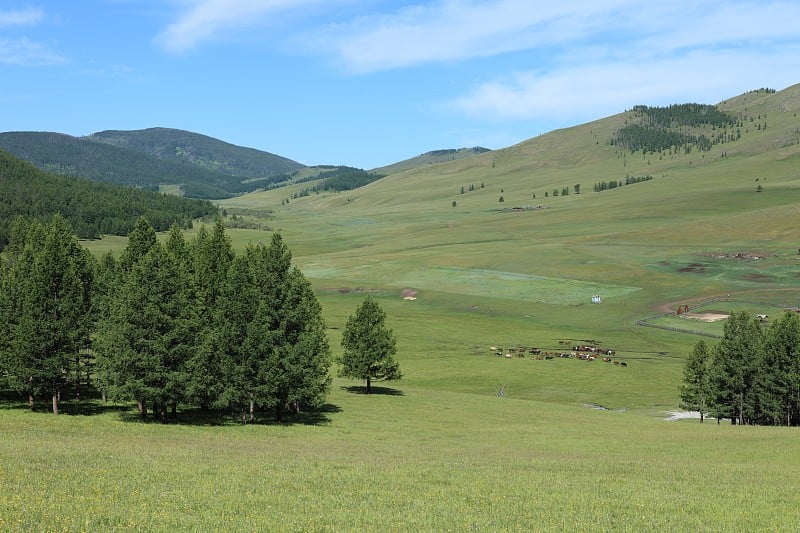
(695, 390)
(369, 346)
(46, 312)
(734, 368)
(777, 386)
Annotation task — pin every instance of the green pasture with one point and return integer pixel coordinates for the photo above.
(405, 459)
(571, 445)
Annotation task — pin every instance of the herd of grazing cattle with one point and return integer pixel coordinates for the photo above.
(583, 352)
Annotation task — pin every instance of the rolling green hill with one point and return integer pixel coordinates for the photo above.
(200, 150)
(523, 270)
(570, 445)
(92, 208)
(430, 158)
(191, 167)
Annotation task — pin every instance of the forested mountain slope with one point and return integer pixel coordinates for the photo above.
(212, 154)
(201, 177)
(91, 208)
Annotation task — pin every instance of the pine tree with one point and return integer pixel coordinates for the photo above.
(50, 301)
(777, 386)
(211, 257)
(369, 347)
(145, 343)
(695, 389)
(734, 368)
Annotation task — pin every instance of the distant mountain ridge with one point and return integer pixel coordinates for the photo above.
(201, 166)
(207, 152)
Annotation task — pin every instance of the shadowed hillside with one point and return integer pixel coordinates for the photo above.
(198, 166)
(200, 150)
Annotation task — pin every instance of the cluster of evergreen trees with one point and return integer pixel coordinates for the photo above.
(686, 115)
(91, 208)
(181, 322)
(340, 179)
(752, 376)
(662, 128)
(613, 184)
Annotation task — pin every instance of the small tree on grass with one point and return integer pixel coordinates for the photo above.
(369, 347)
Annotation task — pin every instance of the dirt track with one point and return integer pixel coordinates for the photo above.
(673, 306)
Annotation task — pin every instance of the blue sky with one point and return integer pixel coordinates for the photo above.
(371, 82)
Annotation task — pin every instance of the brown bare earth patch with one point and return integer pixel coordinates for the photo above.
(408, 293)
(696, 268)
(709, 316)
(758, 277)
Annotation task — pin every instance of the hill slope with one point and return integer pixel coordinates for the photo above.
(107, 162)
(92, 208)
(193, 148)
(430, 158)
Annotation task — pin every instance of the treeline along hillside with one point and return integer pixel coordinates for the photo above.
(92, 209)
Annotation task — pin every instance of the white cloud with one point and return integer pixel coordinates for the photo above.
(571, 94)
(207, 19)
(23, 17)
(460, 29)
(24, 52)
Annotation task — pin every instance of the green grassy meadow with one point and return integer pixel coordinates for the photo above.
(571, 445)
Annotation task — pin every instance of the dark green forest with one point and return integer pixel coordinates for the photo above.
(752, 376)
(206, 152)
(91, 208)
(340, 179)
(676, 127)
(173, 325)
(196, 172)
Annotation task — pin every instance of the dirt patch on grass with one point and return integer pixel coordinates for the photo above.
(758, 277)
(408, 293)
(696, 268)
(708, 316)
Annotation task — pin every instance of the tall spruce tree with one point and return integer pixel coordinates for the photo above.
(777, 384)
(211, 257)
(734, 368)
(46, 312)
(369, 346)
(695, 389)
(298, 374)
(145, 343)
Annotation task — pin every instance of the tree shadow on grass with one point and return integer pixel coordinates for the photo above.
(10, 400)
(382, 391)
(215, 418)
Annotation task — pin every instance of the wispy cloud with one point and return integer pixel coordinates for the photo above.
(463, 29)
(581, 92)
(656, 54)
(202, 20)
(21, 17)
(24, 52)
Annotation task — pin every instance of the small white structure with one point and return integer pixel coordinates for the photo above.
(596, 299)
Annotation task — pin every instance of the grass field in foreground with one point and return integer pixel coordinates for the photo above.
(415, 459)
(444, 452)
